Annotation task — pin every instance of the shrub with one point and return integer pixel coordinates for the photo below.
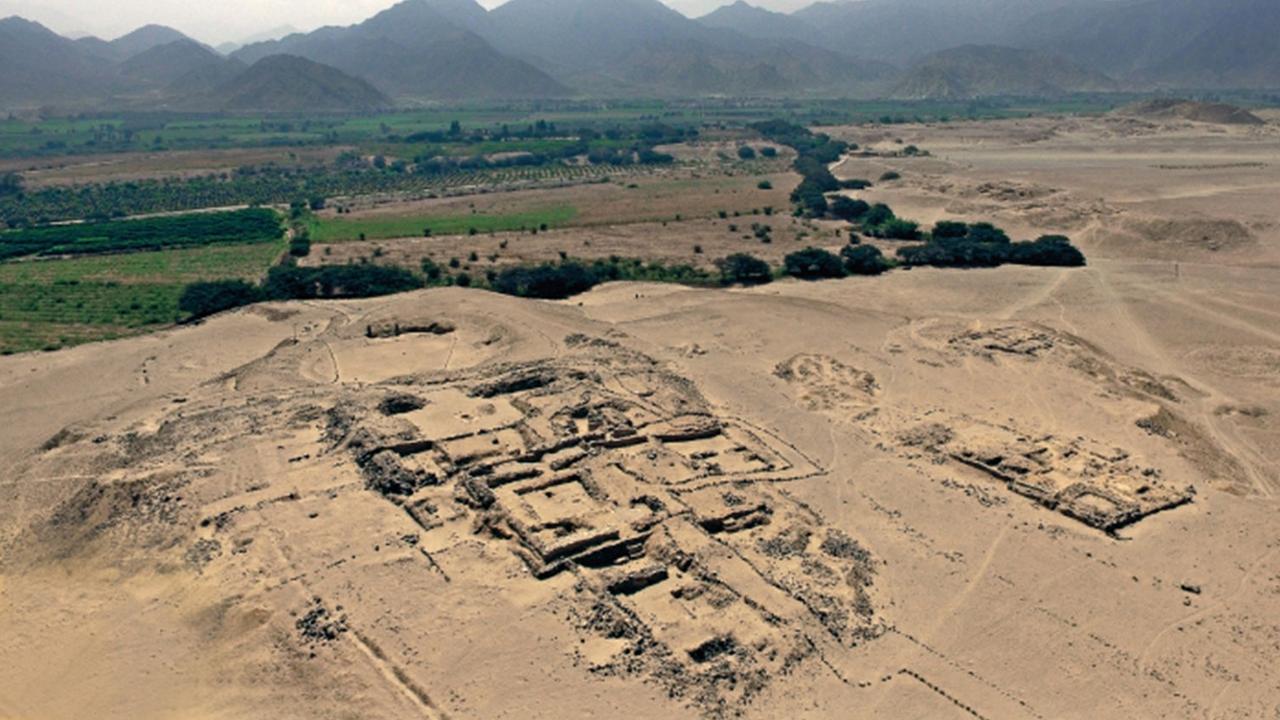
(1050, 250)
(743, 269)
(769, 151)
(764, 185)
(987, 233)
(432, 270)
(811, 198)
(10, 184)
(864, 260)
(546, 281)
(848, 208)
(854, 184)
(202, 299)
(950, 229)
(1047, 251)
(899, 229)
(289, 282)
(746, 153)
(889, 176)
(813, 264)
(958, 254)
(879, 214)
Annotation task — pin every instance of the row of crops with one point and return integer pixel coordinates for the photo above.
(193, 230)
(269, 186)
(46, 304)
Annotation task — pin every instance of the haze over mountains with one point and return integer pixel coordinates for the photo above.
(456, 49)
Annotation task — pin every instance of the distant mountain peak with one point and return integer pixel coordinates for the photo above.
(143, 39)
(754, 21)
(412, 49)
(15, 22)
(163, 64)
(288, 83)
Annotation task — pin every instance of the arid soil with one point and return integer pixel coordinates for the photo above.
(1012, 493)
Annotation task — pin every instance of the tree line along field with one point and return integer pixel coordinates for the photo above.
(48, 303)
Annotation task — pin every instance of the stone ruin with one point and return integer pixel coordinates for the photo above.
(692, 566)
(1100, 486)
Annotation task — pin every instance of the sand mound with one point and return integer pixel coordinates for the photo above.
(1174, 239)
(824, 383)
(1178, 109)
(1201, 234)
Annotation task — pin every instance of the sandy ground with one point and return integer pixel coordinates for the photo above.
(1122, 187)
(1011, 493)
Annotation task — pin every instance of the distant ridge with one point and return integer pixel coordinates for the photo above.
(976, 71)
(433, 50)
(644, 47)
(412, 50)
(40, 66)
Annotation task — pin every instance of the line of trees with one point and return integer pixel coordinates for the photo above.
(291, 282)
(814, 153)
(950, 244)
(983, 245)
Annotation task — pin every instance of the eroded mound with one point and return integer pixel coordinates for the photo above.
(1192, 234)
(1180, 109)
(824, 383)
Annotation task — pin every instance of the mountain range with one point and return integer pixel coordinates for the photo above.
(974, 71)
(429, 50)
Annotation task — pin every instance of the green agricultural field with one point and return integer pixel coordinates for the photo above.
(172, 231)
(45, 304)
(334, 230)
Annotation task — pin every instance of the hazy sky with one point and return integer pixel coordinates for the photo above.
(217, 21)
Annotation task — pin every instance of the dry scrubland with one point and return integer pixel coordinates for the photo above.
(1010, 493)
